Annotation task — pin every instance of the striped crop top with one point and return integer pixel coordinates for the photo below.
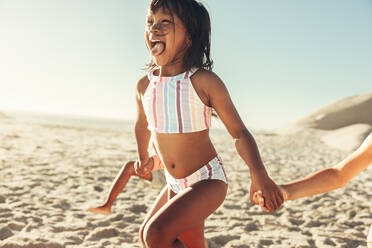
(172, 105)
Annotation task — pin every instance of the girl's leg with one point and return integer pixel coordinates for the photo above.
(160, 201)
(192, 238)
(117, 186)
(183, 212)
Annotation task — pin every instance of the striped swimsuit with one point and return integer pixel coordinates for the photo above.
(172, 105)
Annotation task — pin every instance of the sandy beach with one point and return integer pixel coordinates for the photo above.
(50, 174)
(81, 79)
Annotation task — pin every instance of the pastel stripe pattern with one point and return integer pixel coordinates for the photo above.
(172, 105)
(212, 170)
(179, 113)
(165, 93)
(159, 108)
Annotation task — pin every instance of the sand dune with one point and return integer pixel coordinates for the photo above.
(51, 174)
(345, 112)
(347, 138)
(345, 123)
(348, 111)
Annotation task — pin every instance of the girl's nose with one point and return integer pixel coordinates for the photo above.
(155, 27)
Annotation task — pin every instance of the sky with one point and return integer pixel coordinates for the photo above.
(280, 60)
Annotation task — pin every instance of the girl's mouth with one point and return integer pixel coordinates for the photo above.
(157, 47)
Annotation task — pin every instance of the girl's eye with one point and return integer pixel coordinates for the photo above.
(166, 21)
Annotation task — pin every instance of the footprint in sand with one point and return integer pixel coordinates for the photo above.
(58, 229)
(79, 216)
(116, 217)
(130, 219)
(104, 179)
(64, 205)
(103, 233)
(121, 225)
(314, 223)
(311, 242)
(328, 241)
(138, 208)
(296, 222)
(73, 241)
(294, 229)
(5, 232)
(251, 227)
(232, 206)
(104, 223)
(6, 216)
(265, 242)
(31, 227)
(221, 240)
(16, 226)
(98, 188)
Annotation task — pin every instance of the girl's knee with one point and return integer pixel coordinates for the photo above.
(155, 235)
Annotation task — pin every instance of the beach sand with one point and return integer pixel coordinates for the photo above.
(50, 175)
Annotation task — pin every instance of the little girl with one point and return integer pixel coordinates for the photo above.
(174, 103)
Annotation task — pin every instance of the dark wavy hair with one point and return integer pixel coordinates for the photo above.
(196, 19)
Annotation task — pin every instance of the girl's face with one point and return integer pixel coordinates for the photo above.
(166, 37)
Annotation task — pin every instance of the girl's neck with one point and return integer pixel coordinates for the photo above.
(171, 70)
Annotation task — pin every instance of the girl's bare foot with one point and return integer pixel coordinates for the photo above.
(105, 210)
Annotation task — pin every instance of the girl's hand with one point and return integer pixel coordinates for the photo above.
(143, 168)
(271, 194)
(260, 200)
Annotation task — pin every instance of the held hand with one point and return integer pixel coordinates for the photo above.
(144, 168)
(260, 200)
(271, 194)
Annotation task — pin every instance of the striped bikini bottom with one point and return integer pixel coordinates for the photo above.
(212, 170)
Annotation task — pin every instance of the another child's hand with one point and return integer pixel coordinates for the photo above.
(144, 168)
(259, 200)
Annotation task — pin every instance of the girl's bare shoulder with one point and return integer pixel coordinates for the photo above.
(207, 80)
(205, 76)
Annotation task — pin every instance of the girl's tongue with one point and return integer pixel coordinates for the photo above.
(157, 49)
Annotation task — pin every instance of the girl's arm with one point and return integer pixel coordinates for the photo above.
(332, 178)
(220, 100)
(143, 135)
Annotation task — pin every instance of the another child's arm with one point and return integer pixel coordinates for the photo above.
(332, 178)
(245, 144)
(327, 179)
(142, 167)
